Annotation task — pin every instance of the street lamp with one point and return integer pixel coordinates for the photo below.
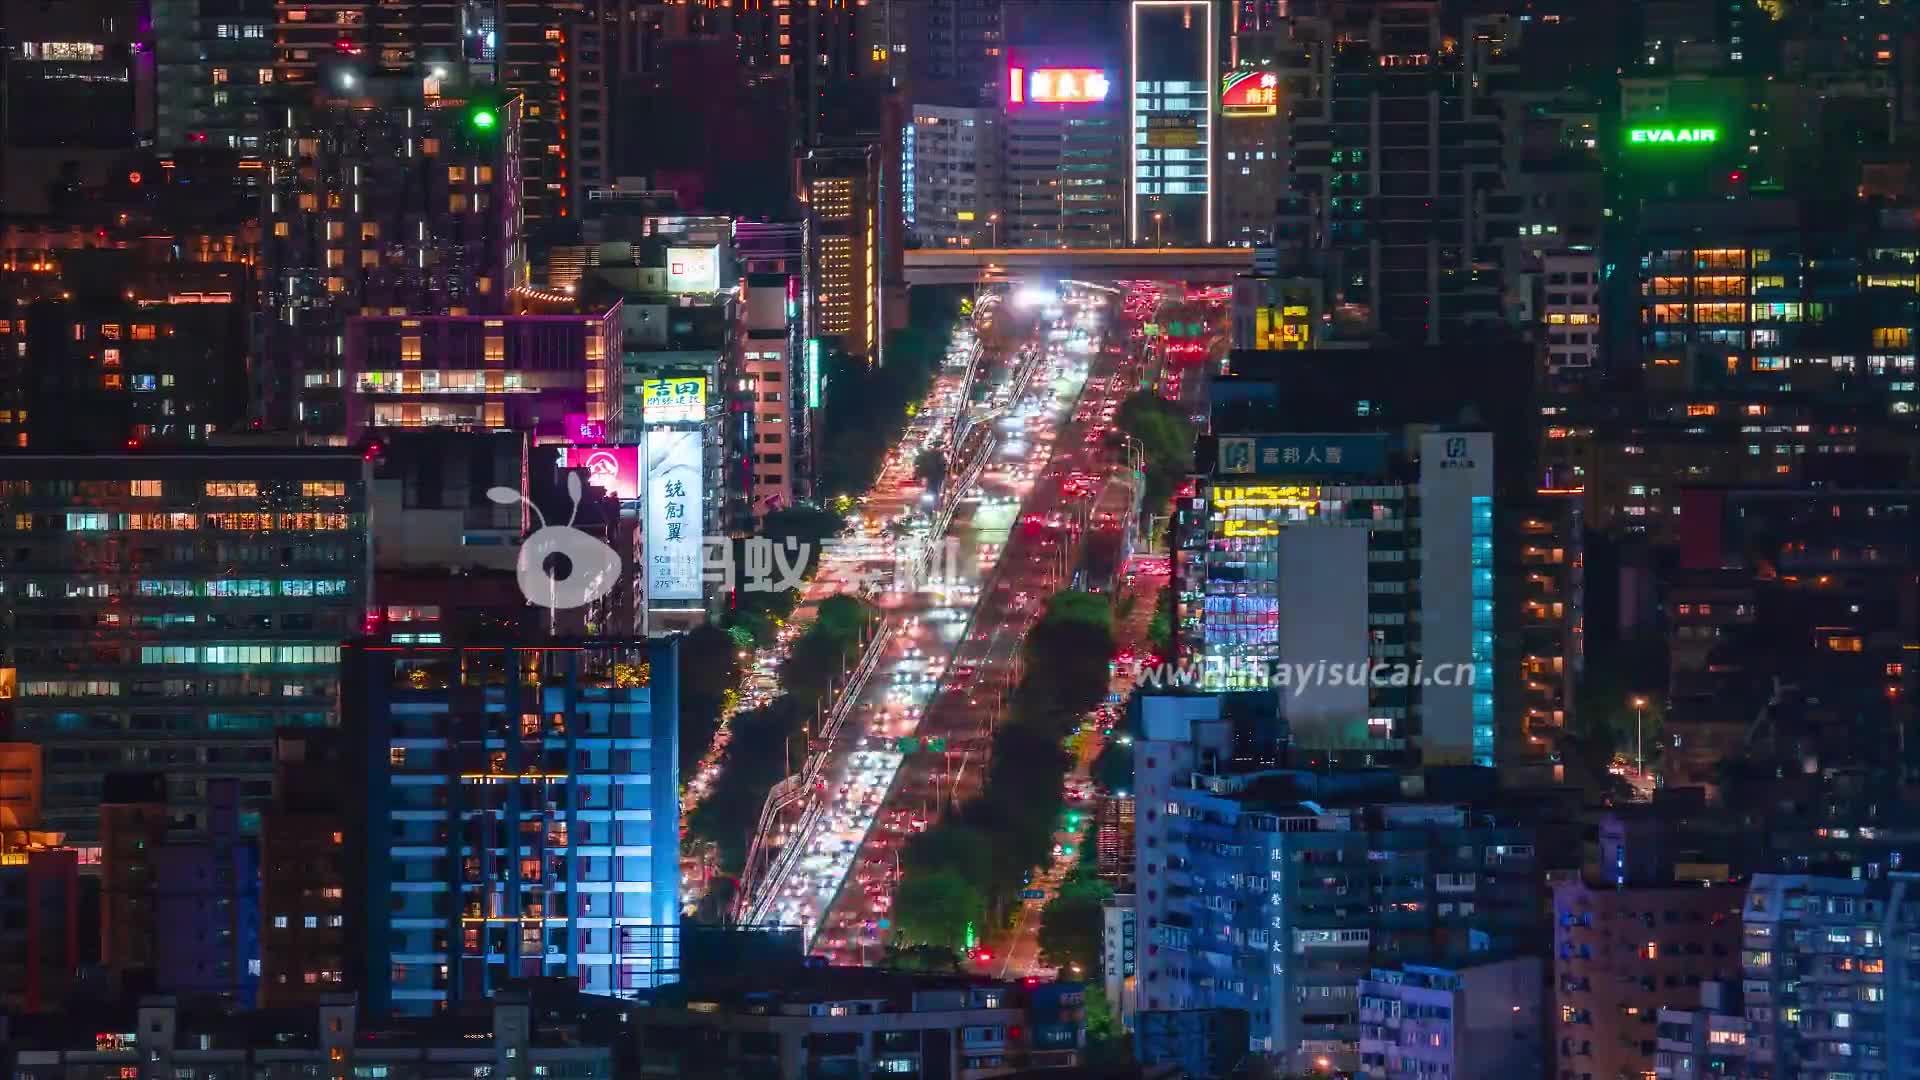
(993, 221)
(1159, 234)
(1639, 704)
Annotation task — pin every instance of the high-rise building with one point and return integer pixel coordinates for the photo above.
(1174, 59)
(213, 74)
(1393, 145)
(526, 808)
(846, 212)
(1363, 879)
(312, 870)
(527, 371)
(1064, 169)
(950, 165)
(171, 610)
(1294, 554)
(773, 358)
(954, 50)
(1630, 937)
(180, 891)
(314, 43)
(383, 201)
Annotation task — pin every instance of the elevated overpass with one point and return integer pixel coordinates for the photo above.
(960, 266)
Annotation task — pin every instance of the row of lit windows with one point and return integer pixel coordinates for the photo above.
(240, 654)
(96, 521)
(243, 587)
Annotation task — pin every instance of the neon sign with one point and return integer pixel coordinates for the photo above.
(1250, 93)
(1057, 86)
(1673, 136)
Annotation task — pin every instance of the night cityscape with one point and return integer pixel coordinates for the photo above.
(957, 539)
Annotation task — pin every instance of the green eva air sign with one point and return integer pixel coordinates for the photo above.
(1668, 136)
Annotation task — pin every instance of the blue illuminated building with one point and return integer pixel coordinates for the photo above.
(522, 816)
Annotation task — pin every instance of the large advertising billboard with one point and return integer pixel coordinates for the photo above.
(612, 468)
(674, 514)
(673, 401)
(1250, 93)
(1057, 86)
(693, 270)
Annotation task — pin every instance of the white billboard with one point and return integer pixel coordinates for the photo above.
(1456, 594)
(674, 514)
(693, 270)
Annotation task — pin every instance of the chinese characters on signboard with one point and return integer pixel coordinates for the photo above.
(581, 430)
(1250, 93)
(1057, 86)
(673, 401)
(1349, 454)
(674, 514)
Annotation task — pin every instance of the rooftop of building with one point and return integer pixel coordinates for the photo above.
(888, 990)
(562, 1016)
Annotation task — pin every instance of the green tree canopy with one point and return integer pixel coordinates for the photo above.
(934, 909)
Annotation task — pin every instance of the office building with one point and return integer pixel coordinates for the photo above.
(861, 1021)
(1474, 1019)
(1064, 171)
(214, 73)
(1771, 294)
(1293, 557)
(540, 1028)
(391, 203)
(1279, 314)
(1394, 224)
(553, 768)
(1630, 937)
(1174, 52)
(1365, 877)
(1205, 1044)
(1830, 966)
(845, 207)
(171, 610)
(526, 371)
(950, 164)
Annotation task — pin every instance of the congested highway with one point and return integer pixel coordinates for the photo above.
(1005, 427)
(1032, 509)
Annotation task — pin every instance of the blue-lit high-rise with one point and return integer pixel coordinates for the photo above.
(522, 816)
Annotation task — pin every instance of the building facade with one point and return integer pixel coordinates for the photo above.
(552, 770)
(1293, 556)
(1477, 1019)
(950, 161)
(394, 203)
(523, 372)
(1064, 169)
(171, 610)
(1174, 51)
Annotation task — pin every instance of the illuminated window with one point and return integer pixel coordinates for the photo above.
(483, 174)
(219, 76)
(336, 230)
(456, 174)
(429, 146)
(280, 228)
(232, 489)
(495, 349)
(1892, 337)
(143, 332)
(324, 489)
(596, 347)
(110, 358)
(369, 258)
(336, 285)
(336, 258)
(145, 489)
(410, 349)
(309, 201)
(457, 203)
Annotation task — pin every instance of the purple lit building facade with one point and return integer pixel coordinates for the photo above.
(520, 372)
(386, 201)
